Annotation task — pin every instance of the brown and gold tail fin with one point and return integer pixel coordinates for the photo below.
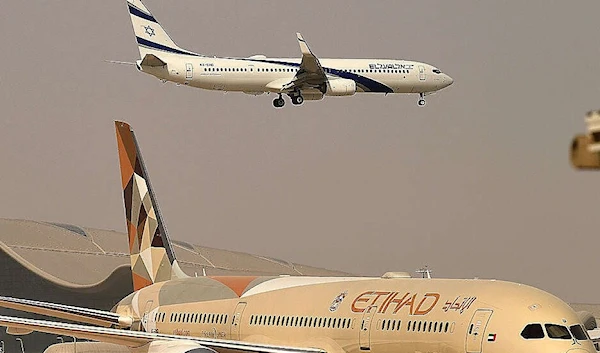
(152, 256)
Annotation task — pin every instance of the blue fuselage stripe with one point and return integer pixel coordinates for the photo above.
(367, 83)
(147, 43)
(140, 14)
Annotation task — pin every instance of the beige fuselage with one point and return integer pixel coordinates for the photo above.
(356, 314)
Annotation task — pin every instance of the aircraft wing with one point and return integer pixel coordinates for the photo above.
(73, 313)
(310, 74)
(134, 339)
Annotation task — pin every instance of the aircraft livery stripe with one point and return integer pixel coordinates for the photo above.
(147, 43)
(366, 83)
(139, 13)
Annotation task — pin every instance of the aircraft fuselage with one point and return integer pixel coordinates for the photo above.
(253, 75)
(357, 314)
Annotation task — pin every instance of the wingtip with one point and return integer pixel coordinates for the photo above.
(299, 36)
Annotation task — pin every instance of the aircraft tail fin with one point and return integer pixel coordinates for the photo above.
(152, 256)
(150, 35)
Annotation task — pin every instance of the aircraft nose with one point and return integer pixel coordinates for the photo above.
(448, 80)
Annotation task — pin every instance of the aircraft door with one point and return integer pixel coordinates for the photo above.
(146, 317)
(189, 71)
(236, 321)
(422, 75)
(364, 336)
(476, 330)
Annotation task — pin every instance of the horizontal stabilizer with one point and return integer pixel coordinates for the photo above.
(152, 60)
(120, 62)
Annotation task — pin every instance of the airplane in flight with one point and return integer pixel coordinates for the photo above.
(169, 312)
(305, 78)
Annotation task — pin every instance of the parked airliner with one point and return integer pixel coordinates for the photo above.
(170, 312)
(305, 78)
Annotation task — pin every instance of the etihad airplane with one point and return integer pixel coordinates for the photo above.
(170, 312)
(305, 78)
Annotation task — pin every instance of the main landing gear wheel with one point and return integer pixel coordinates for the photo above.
(297, 100)
(421, 102)
(278, 102)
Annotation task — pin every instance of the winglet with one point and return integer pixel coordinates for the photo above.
(303, 45)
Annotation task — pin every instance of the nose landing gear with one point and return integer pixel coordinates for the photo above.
(421, 102)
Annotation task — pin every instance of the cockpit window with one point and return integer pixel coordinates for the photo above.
(557, 332)
(578, 332)
(437, 71)
(532, 331)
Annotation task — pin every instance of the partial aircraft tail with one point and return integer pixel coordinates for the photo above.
(152, 256)
(150, 35)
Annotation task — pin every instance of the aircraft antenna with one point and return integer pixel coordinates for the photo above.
(425, 272)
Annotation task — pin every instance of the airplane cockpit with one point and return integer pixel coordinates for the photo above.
(554, 331)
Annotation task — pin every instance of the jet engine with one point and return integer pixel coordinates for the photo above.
(581, 157)
(341, 87)
(588, 319)
(585, 149)
(312, 95)
(153, 347)
(86, 347)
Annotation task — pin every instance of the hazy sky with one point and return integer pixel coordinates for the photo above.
(477, 183)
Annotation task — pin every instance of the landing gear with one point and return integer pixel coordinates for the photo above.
(297, 99)
(421, 102)
(278, 102)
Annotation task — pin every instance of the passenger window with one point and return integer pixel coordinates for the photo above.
(578, 332)
(557, 332)
(532, 331)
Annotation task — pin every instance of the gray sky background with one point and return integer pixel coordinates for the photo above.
(475, 184)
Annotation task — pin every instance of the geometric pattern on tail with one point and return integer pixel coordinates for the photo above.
(150, 259)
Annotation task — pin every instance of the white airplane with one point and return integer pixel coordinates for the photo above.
(306, 78)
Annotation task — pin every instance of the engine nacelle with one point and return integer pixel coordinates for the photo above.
(341, 87)
(177, 347)
(86, 347)
(581, 156)
(588, 320)
(585, 149)
(312, 95)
